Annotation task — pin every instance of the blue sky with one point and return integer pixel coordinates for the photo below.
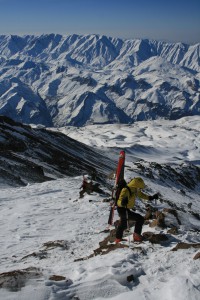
(169, 20)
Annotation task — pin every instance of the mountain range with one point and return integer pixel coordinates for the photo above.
(76, 80)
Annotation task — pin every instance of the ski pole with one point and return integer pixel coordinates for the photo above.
(128, 227)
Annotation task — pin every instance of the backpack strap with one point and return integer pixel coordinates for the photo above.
(128, 188)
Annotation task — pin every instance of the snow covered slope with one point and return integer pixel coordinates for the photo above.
(163, 141)
(49, 236)
(77, 80)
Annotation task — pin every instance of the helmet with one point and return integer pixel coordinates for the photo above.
(138, 183)
(87, 178)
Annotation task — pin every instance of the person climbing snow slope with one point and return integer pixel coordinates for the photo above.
(125, 203)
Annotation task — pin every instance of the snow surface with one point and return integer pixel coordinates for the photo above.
(162, 141)
(51, 211)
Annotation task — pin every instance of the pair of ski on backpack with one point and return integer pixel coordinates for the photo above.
(120, 183)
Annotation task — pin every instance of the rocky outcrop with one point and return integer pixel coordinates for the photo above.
(15, 280)
(183, 245)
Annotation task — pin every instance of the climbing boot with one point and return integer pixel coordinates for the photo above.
(137, 237)
(117, 241)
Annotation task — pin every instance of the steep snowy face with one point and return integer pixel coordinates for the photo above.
(57, 80)
(22, 104)
(30, 155)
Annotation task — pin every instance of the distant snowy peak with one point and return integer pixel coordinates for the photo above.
(20, 103)
(98, 50)
(57, 80)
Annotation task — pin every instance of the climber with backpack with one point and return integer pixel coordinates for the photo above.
(125, 203)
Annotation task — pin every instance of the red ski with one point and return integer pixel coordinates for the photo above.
(116, 190)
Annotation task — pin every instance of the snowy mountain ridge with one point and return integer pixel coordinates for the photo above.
(89, 49)
(58, 80)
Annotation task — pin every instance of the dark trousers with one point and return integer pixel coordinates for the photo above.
(123, 221)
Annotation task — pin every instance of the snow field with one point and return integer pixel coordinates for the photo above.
(52, 211)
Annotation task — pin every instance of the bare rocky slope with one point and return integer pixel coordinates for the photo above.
(30, 155)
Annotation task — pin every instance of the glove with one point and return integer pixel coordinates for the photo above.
(155, 196)
(124, 202)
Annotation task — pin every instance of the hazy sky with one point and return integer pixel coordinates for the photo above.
(170, 20)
